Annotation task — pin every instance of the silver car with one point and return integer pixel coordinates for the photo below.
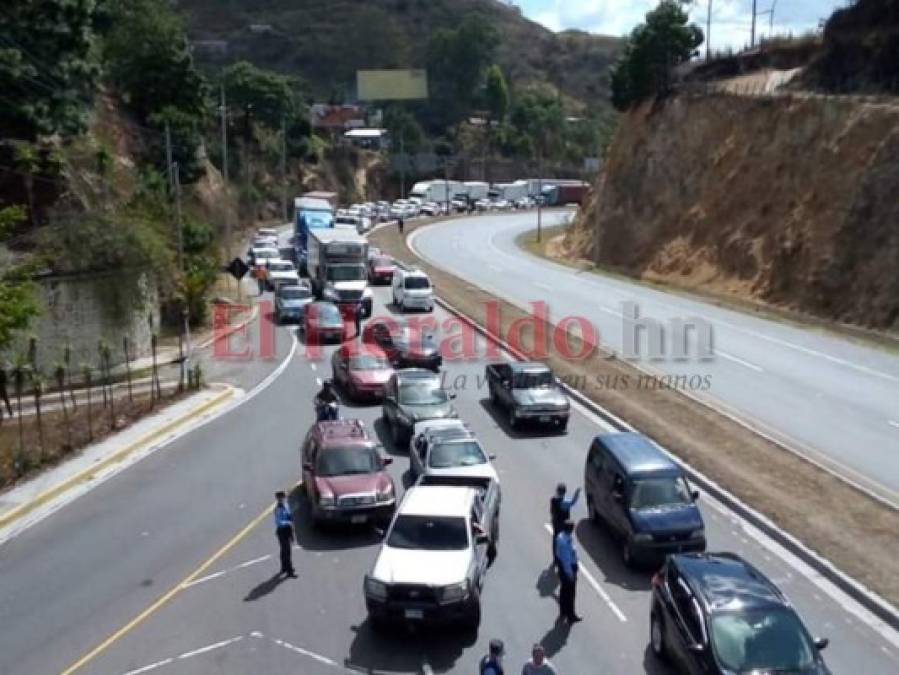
(291, 301)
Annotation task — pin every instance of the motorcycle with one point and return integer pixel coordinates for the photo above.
(326, 411)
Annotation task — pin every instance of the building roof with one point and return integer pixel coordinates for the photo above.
(323, 116)
(437, 501)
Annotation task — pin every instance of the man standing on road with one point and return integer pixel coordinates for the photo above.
(357, 317)
(567, 556)
(559, 512)
(538, 664)
(399, 224)
(284, 532)
(492, 664)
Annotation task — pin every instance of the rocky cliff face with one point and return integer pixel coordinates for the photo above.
(788, 200)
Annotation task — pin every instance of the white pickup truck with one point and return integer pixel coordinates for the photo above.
(433, 561)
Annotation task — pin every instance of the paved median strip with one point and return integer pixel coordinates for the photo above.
(87, 474)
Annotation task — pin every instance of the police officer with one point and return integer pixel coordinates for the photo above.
(559, 512)
(567, 556)
(357, 317)
(400, 224)
(284, 532)
(492, 663)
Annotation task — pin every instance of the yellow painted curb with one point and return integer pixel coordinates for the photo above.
(86, 474)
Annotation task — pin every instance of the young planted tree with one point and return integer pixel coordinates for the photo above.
(67, 362)
(59, 373)
(127, 352)
(38, 382)
(106, 369)
(4, 393)
(87, 375)
(20, 370)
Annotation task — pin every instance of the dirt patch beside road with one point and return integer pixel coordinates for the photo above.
(856, 533)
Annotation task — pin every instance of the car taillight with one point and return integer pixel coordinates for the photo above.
(657, 579)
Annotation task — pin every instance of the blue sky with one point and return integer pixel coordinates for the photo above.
(730, 18)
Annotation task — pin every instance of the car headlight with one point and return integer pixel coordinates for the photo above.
(326, 501)
(454, 592)
(375, 589)
(386, 495)
(698, 534)
(642, 538)
(330, 294)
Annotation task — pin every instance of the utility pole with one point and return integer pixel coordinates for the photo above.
(708, 33)
(224, 111)
(402, 163)
(179, 227)
(283, 169)
(752, 33)
(446, 184)
(539, 193)
(168, 156)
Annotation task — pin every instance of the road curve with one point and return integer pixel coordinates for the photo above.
(833, 399)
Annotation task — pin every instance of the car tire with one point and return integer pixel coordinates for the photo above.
(563, 427)
(473, 620)
(492, 390)
(513, 421)
(657, 637)
(627, 554)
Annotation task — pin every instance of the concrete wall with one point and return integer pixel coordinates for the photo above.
(82, 309)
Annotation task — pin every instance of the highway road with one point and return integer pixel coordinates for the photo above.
(169, 566)
(833, 399)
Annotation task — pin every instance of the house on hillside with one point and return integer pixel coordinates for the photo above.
(336, 119)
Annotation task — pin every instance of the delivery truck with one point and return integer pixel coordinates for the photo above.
(337, 262)
(437, 190)
(310, 213)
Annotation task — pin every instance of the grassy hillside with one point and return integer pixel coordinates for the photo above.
(326, 41)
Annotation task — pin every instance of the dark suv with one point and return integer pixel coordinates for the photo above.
(716, 613)
(642, 497)
(345, 476)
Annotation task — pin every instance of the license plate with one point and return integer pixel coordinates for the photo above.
(544, 418)
(415, 614)
(358, 519)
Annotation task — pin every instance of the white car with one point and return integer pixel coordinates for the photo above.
(412, 289)
(430, 209)
(398, 210)
(501, 205)
(448, 448)
(434, 559)
(267, 232)
(258, 255)
(281, 273)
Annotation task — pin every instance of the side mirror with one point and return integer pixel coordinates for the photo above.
(387, 461)
(453, 396)
(696, 648)
(694, 495)
(491, 457)
(618, 497)
(507, 384)
(380, 531)
(307, 466)
(481, 538)
(821, 643)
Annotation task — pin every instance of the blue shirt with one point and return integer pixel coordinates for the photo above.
(566, 553)
(282, 516)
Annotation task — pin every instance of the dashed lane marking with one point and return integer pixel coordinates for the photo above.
(893, 423)
(185, 655)
(735, 359)
(595, 584)
(222, 573)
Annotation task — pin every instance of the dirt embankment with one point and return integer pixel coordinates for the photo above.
(786, 200)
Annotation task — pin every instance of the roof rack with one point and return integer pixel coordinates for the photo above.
(343, 429)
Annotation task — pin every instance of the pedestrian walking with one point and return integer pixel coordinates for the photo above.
(538, 664)
(559, 512)
(492, 663)
(357, 317)
(400, 224)
(284, 532)
(260, 274)
(567, 556)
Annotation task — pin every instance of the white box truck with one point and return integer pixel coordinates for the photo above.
(337, 261)
(437, 190)
(476, 190)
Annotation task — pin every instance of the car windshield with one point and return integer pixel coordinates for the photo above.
(368, 362)
(346, 273)
(348, 461)
(382, 262)
(328, 314)
(422, 393)
(417, 282)
(654, 493)
(295, 293)
(459, 453)
(265, 253)
(764, 640)
(281, 267)
(533, 379)
(428, 533)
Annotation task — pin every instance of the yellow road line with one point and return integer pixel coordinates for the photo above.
(85, 474)
(171, 593)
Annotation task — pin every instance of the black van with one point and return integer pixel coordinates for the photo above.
(642, 497)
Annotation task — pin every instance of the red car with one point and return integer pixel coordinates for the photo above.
(381, 269)
(322, 322)
(362, 370)
(344, 475)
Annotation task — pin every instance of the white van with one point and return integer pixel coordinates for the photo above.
(412, 290)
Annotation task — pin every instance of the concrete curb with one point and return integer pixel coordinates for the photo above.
(867, 598)
(84, 475)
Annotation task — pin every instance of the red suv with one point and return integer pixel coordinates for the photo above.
(344, 475)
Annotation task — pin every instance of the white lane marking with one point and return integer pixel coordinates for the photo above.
(893, 423)
(152, 666)
(306, 652)
(735, 359)
(495, 268)
(610, 311)
(209, 648)
(595, 584)
(318, 381)
(221, 573)
(312, 365)
(545, 287)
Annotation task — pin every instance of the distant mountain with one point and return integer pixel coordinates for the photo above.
(325, 41)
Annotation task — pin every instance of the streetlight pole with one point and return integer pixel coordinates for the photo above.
(708, 33)
(539, 195)
(283, 169)
(752, 33)
(224, 122)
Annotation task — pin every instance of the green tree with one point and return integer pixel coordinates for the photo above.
(537, 120)
(263, 96)
(48, 68)
(401, 124)
(496, 93)
(17, 303)
(457, 62)
(653, 49)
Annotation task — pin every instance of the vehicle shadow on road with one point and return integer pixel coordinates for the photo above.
(652, 666)
(501, 419)
(264, 588)
(406, 649)
(596, 542)
(329, 536)
(382, 430)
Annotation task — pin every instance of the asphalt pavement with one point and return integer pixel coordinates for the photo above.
(170, 566)
(834, 399)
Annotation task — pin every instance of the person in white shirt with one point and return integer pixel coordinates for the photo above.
(538, 663)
